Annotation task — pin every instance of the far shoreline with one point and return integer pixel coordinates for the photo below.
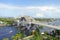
(6, 25)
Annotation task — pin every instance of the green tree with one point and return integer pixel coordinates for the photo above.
(5, 39)
(38, 36)
(18, 36)
(13, 37)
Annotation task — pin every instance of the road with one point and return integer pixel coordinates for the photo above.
(47, 25)
(43, 24)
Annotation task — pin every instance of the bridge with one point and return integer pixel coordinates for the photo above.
(46, 25)
(31, 20)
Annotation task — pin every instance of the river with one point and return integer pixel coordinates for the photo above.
(7, 32)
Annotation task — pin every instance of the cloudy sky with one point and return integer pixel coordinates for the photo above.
(34, 8)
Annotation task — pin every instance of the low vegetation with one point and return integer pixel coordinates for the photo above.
(45, 19)
(9, 21)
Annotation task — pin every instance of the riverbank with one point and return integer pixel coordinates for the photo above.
(5, 25)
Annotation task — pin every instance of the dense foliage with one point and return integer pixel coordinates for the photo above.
(7, 20)
(45, 19)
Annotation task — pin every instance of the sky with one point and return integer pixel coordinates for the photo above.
(33, 8)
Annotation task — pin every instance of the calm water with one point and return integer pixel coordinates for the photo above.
(7, 32)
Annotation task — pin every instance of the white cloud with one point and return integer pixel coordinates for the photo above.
(43, 8)
(39, 15)
(39, 11)
(8, 6)
(46, 8)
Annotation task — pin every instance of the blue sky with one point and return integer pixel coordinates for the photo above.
(34, 8)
